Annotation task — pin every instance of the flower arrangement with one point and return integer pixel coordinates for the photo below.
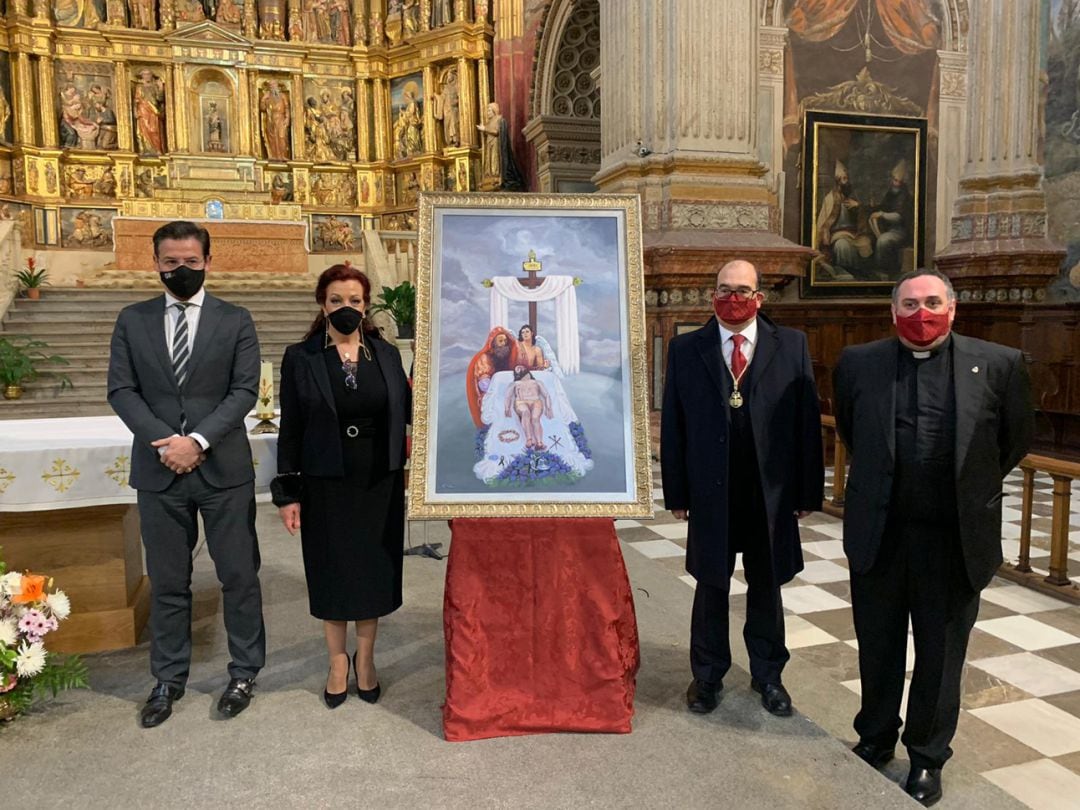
(30, 609)
(32, 279)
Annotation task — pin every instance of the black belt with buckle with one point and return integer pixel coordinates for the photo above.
(358, 431)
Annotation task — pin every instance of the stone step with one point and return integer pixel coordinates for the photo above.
(110, 309)
(51, 409)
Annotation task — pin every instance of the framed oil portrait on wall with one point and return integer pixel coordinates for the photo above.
(530, 390)
(863, 202)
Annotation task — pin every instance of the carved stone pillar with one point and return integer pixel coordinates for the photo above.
(483, 88)
(22, 97)
(250, 26)
(425, 16)
(467, 120)
(122, 106)
(363, 116)
(246, 142)
(46, 102)
(298, 148)
(382, 123)
(178, 108)
(1000, 249)
(679, 127)
(167, 14)
(952, 135)
(360, 34)
(771, 45)
(431, 138)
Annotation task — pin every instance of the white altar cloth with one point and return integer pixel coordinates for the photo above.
(84, 461)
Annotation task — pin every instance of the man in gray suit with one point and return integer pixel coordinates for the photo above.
(183, 373)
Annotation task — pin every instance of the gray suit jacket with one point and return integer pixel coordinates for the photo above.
(221, 387)
(995, 424)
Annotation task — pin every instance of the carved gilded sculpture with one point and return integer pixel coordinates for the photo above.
(272, 19)
(445, 106)
(143, 14)
(149, 110)
(78, 13)
(275, 116)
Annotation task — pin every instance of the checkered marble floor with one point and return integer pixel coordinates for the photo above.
(1020, 723)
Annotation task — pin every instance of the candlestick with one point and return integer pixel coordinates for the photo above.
(264, 405)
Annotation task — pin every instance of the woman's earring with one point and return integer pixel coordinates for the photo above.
(326, 331)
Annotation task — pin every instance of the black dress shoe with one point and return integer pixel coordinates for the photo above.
(702, 697)
(924, 785)
(366, 695)
(774, 697)
(158, 706)
(335, 699)
(876, 756)
(236, 697)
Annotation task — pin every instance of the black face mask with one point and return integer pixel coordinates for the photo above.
(346, 320)
(183, 282)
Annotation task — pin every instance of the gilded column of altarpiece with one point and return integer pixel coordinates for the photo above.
(339, 111)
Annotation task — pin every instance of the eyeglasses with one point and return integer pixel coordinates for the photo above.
(723, 291)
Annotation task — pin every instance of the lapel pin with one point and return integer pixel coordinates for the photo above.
(974, 369)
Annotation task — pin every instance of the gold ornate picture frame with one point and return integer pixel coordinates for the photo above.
(530, 390)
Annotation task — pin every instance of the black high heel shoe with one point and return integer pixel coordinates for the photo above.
(366, 695)
(332, 700)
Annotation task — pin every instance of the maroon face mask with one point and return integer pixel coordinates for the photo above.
(732, 309)
(922, 327)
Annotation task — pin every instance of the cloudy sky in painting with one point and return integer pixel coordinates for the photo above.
(483, 245)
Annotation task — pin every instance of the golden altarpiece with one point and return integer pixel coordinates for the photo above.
(275, 116)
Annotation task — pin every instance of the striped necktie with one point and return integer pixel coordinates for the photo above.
(181, 351)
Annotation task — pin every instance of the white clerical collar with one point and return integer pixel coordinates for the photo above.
(749, 332)
(920, 355)
(196, 300)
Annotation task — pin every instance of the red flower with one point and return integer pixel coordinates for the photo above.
(30, 263)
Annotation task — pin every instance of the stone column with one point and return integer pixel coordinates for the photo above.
(999, 249)
(431, 139)
(382, 122)
(771, 45)
(122, 106)
(46, 102)
(363, 116)
(22, 99)
(952, 136)
(467, 119)
(178, 109)
(246, 142)
(679, 127)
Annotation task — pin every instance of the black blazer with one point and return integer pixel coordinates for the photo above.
(786, 420)
(310, 440)
(221, 387)
(994, 427)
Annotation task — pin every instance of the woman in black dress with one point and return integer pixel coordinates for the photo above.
(345, 401)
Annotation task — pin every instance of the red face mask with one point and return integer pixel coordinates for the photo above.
(732, 309)
(922, 327)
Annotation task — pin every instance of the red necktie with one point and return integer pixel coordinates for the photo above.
(738, 359)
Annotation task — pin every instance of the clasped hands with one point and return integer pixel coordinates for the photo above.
(684, 514)
(182, 454)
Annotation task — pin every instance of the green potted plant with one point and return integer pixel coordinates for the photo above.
(400, 304)
(20, 361)
(32, 279)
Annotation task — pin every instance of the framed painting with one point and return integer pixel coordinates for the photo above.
(864, 201)
(87, 228)
(335, 233)
(530, 389)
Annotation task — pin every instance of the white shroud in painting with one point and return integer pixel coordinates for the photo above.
(559, 289)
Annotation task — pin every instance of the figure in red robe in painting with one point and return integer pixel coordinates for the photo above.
(500, 353)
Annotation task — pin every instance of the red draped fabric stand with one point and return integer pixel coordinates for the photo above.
(540, 629)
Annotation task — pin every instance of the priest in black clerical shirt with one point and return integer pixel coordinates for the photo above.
(933, 421)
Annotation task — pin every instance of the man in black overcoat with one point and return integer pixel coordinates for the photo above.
(933, 422)
(741, 459)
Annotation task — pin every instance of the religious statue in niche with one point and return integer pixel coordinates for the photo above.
(340, 22)
(406, 96)
(500, 170)
(281, 188)
(79, 13)
(223, 12)
(446, 107)
(143, 14)
(272, 17)
(86, 116)
(215, 128)
(189, 11)
(5, 117)
(275, 116)
(441, 13)
(329, 121)
(149, 111)
(316, 21)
